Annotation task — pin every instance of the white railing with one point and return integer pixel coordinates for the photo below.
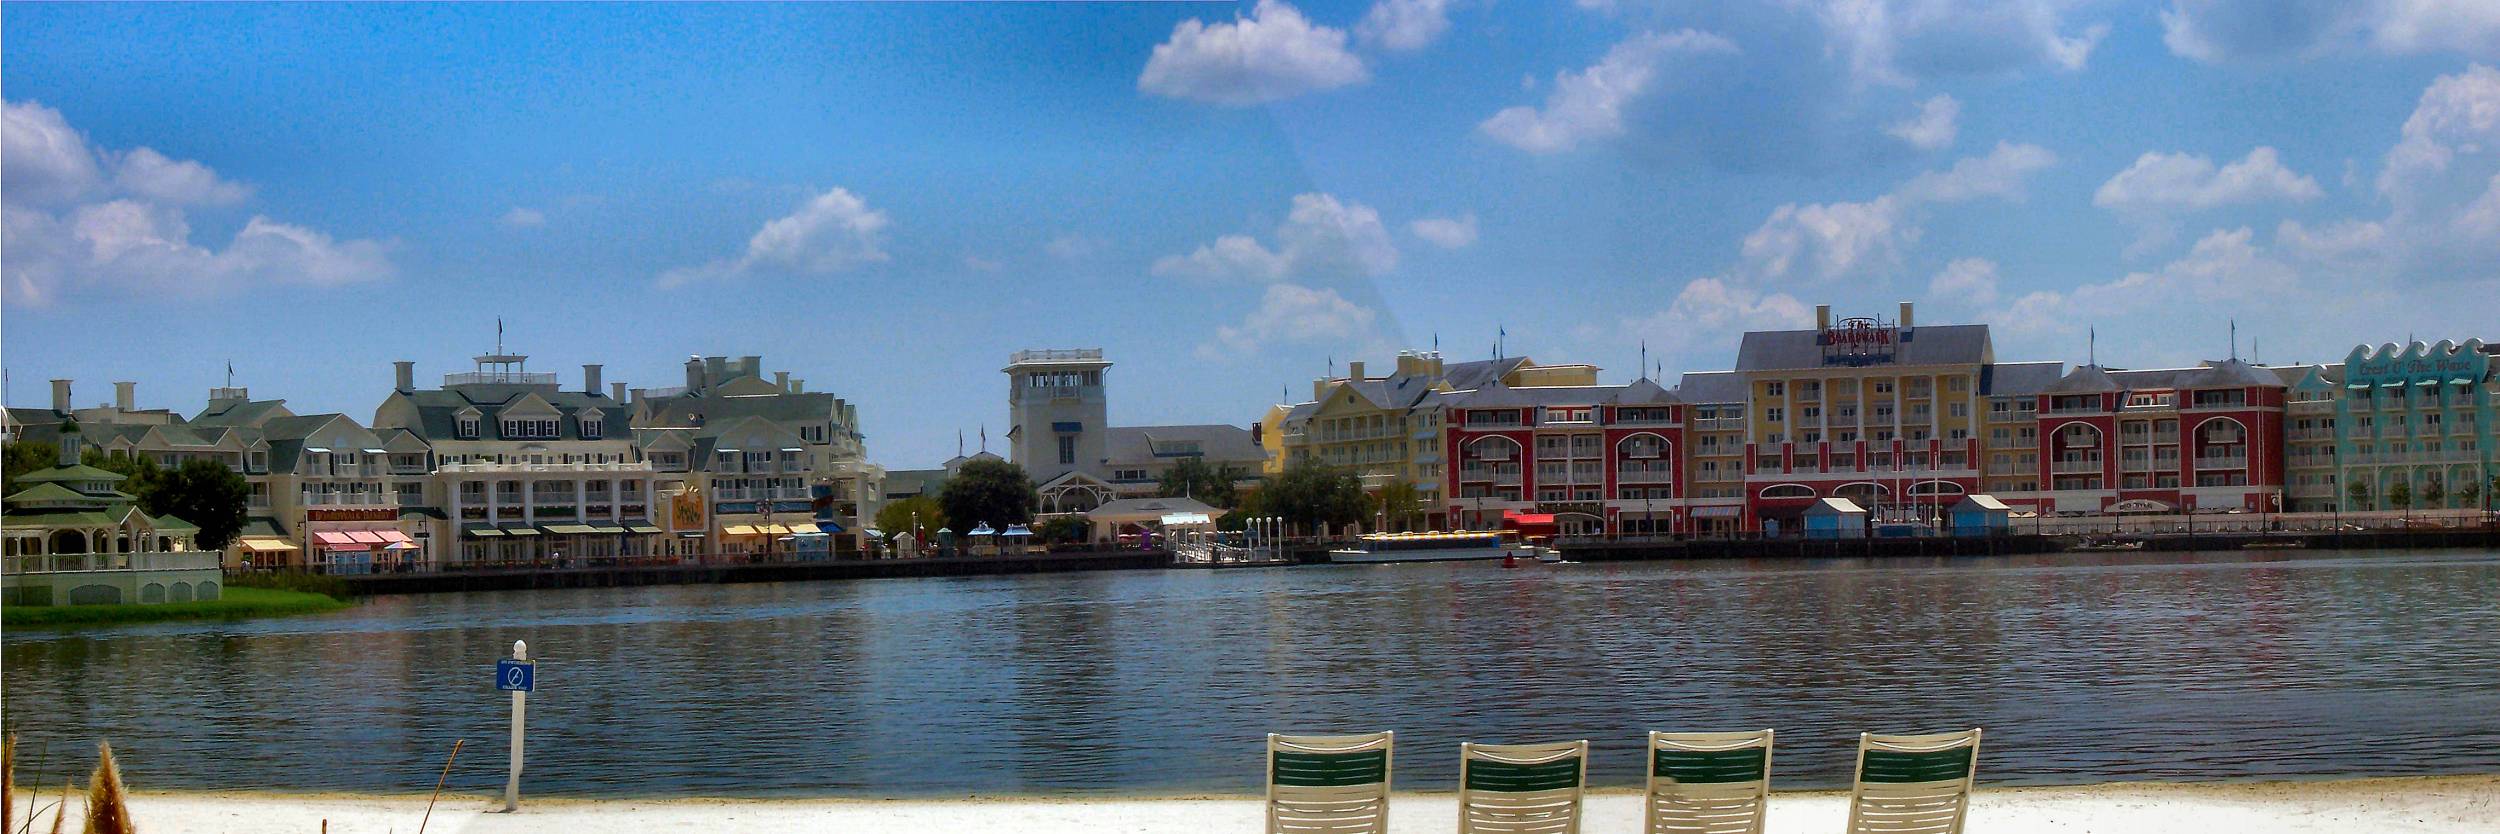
(499, 468)
(499, 378)
(87, 562)
(2077, 467)
(2221, 461)
(1645, 474)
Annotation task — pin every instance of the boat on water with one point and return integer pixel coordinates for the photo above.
(2091, 546)
(1382, 548)
(2275, 544)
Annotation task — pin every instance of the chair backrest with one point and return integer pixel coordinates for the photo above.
(1913, 784)
(1329, 784)
(1707, 783)
(1522, 788)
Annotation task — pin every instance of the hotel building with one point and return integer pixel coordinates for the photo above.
(1391, 428)
(755, 465)
(524, 471)
(1576, 459)
(2172, 440)
(2418, 415)
(1058, 430)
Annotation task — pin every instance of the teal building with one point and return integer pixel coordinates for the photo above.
(2414, 426)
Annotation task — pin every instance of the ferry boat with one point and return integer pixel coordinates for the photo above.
(1379, 548)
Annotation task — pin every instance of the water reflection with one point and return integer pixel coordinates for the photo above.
(2082, 667)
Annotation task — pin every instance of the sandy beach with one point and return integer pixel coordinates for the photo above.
(2382, 806)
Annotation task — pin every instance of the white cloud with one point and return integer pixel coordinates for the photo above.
(1965, 281)
(2217, 31)
(834, 232)
(1588, 105)
(1446, 232)
(2457, 113)
(1071, 247)
(1935, 126)
(1831, 240)
(2000, 174)
(1404, 24)
(1321, 236)
(1707, 314)
(1273, 54)
(2225, 267)
(78, 220)
(523, 217)
(2160, 182)
(149, 174)
(1291, 313)
(977, 263)
(1898, 42)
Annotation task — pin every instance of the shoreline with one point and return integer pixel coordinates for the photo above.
(2459, 803)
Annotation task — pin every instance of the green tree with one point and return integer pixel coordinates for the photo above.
(896, 517)
(1066, 529)
(201, 491)
(2359, 492)
(1193, 477)
(1400, 503)
(141, 471)
(992, 491)
(1312, 494)
(2401, 496)
(2469, 495)
(2433, 492)
(24, 456)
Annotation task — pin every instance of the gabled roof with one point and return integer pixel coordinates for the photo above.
(2231, 373)
(2019, 379)
(1946, 344)
(238, 412)
(438, 411)
(78, 473)
(1217, 443)
(2085, 379)
(1711, 387)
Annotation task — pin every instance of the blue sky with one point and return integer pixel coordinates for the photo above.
(887, 199)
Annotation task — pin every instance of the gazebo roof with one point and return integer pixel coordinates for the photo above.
(73, 474)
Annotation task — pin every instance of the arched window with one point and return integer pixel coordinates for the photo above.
(1787, 491)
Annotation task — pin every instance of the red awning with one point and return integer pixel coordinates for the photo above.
(366, 537)
(1528, 519)
(336, 539)
(394, 537)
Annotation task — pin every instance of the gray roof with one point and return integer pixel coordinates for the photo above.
(2019, 379)
(1711, 387)
(2229, 373)
(914, 481)
(237, 412)
(682, 411)
(438, 410)
(2232, 373)
(2085, 379)
(1497, 395)
(1946, 344)
(1217, 443)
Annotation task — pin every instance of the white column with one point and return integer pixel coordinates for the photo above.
(616, 499)
(529, 500)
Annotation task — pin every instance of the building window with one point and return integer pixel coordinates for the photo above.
(1775, 414)
(1774, 389)
(590, 428)
(1067, 450)
(468, 427)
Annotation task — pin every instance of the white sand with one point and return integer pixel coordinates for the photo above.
(2378, 806)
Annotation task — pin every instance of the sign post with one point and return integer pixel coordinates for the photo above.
(517, 676)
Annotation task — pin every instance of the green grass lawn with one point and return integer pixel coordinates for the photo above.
(234, 604)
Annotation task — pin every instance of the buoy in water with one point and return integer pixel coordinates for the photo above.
(1510, 560)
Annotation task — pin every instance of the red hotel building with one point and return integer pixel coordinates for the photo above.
(2174, 440)
(1575, 459)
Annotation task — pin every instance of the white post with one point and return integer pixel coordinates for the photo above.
(520, 708)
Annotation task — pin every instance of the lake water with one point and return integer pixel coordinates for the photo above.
(2082, 667)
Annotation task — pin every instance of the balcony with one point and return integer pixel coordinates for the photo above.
(555, 468)
(2222, 461)
(348, 499)
(88, 562)
(1645, 474)
(498, 378)
(1720, 424)
(2090, 466)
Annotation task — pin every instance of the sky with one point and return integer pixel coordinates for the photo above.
(1231, 199)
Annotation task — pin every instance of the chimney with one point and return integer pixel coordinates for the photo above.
(694, 374)
(616, 391)
(1354, 370)
(404, 375)
(637, 394)
(798, 386)
(1822, 317)
(752, 365)
(1906, 322)
(590, 380)
(781, 380)
(126, 397)
(1319, 388)
(60, 396)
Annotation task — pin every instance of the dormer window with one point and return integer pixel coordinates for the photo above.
(468, 426)
(518, 428)
(590, 428)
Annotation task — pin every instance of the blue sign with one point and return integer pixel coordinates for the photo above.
(516, 675)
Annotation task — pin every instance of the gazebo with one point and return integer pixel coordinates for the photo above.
(1147, 514)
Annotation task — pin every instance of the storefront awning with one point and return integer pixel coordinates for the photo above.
(366, 537)
(772, 529)
(803, 527)
(607, 529)
(394, 537)
(740, 530)
(339, 540)
(262, 545)
(519, 530)
(641, 528)
(480, 531)
(568, 529)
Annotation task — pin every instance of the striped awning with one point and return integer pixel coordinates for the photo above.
(519, 530)
(481, 531)
(641, 528)
(569, 529)
(740, 530)
(266, 545)
(804, 527)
